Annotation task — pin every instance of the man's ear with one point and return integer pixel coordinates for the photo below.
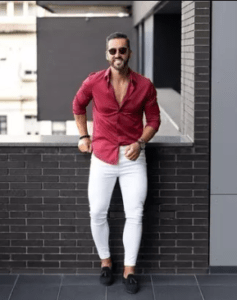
(106, 55)
(131, 54)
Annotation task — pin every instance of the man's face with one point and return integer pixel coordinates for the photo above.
(118, 60)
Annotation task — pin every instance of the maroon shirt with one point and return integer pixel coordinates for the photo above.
(115, 125)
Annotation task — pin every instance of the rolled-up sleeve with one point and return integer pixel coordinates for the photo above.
(83, 96)
(152, 110)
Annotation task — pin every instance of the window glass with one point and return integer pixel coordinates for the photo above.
(3, 9)
(3, 124)
(18, 9)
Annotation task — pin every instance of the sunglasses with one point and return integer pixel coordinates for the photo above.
(121, 50)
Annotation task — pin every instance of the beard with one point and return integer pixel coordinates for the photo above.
(119, 63)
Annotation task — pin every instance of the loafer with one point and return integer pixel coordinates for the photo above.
(131, 284)
(106, 276)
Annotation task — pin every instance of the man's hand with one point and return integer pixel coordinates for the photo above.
(84, 145)
(132, 151)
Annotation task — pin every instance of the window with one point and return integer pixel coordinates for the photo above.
(58, 128)
(31, 125)
(32, 9)
(3, 124)
(18, 9)
(3, 9)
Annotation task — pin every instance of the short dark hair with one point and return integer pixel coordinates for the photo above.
(117, 35)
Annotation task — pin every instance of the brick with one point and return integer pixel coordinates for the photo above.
(58, 200)
(77, 264)
(38, 164)
(12, 178)
(58, 157)
(4, 228)
(43, 236)
(3, 172)
(25, 157)
(60, 257)
(192, 215)
(176, 193)
(3, 157)
(60, 243)
(26, 228)
(74, 178)
(176, 264)
(201, 221)
(25, 214)
(175, 207)
(59, 171)
(174, 236)
(69, 150)
(42, 193)
(25, 186)
(176, 178)
(192, 228)
(60, 228)
(75, 165)
(27, 257)
(192, 257)
(58, 215)
(193, 157)
(42, 207)
(200, 236)
(12, 236)
(42, 150)
(175, 250)
(42, 178)
(42, 222)
(25, 200)
(43, 264)
(27, 243)
(192, 243)
(25, 171)
(203, 250)
(4, 200)
(12, 150)
(59, 185)
(4, 186)
(201, 186)
(11, 264)
(76, 193)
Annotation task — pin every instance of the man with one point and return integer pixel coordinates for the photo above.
(120, 96)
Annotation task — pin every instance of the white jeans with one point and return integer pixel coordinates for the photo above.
(133, 183)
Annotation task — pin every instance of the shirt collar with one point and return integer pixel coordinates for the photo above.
(130, 71)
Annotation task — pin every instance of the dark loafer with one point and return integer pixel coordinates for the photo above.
(131, 284)
(106, 276)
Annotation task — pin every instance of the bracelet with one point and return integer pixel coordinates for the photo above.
(84, 136)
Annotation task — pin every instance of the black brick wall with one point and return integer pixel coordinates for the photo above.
(45, 226)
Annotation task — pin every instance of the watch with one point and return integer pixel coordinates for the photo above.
(142, 143)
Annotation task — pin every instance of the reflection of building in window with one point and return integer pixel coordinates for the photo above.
(58, 128)
(31, 125)
(3, 124)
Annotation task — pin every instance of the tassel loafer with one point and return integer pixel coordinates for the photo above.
(131, 284)
(106, 276)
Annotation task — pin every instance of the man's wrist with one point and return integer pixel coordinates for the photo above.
(141, 143)
(84, 136)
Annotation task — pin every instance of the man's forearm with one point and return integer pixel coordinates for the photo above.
(81, 122)
(148, 133)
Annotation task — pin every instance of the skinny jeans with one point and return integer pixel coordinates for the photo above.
(132, 177)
